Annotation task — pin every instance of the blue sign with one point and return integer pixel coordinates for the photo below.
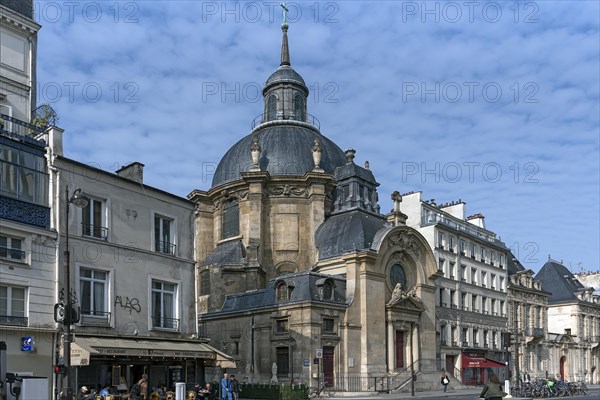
(27, 343)
(307, 363)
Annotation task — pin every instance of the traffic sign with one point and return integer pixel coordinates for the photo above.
(319, 353)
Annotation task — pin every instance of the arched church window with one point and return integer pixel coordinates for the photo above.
(299, 108)
(271, 107)
(231, 219)
(398, 276)
(282, 292)
(205, 282)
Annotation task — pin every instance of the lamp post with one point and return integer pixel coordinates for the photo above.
(78, 199)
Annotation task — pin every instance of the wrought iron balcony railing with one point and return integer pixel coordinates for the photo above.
(18, 129)
(96, 231)
(12, 320)
(164, 247)
(9, 253)
(165, 323)
(535, 332)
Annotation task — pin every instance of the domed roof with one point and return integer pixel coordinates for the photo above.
(347, 231)
(285, 73)
(286, 149)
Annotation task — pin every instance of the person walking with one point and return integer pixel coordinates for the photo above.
(226, 387)
(445, 381)
(492, 390)
(235, 388)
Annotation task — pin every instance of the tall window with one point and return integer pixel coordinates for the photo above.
(283, 361)
(11, 248)
(465, 336)
(464, 302)
(472, 250)
(328, 325)
(440, 240)
(93, 286)
(451, 243)
(231, 219)
(462, 246)
(271, 108)
(163, 305)
(282, 326)
(205, 282)
(23, 175)
(93, 220)
(443, 334)
(163, 239)
(12, 305)
(299, 108)
(327, 290)
(482, 255)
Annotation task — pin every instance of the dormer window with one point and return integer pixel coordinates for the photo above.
(282, 292)
(231, 218)
(326, 289)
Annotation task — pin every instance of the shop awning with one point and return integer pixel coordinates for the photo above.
(150, 348)
(480, 362)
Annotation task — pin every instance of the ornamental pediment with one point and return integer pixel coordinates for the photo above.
(406, 300)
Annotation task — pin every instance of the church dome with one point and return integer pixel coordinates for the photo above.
(285, 132)
(286, 149)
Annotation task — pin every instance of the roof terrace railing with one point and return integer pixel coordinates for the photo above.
(310, 119)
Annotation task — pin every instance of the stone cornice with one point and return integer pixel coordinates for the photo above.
(18, 21)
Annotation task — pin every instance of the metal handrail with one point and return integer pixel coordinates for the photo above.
(310, 119)
(18, 127)
(167, 323)
(96, 231)
(12, 254)
(164, 247)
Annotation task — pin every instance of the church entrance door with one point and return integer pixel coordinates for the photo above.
(399, 349)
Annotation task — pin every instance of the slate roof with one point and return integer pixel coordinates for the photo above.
(346, 232)
(513, 265)
(558, 280)
(305, 288)
(23, 7)
(285, 73)
(351, 169)
(227, 253)
(285, 150)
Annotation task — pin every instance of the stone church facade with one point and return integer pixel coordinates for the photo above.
(300, 277)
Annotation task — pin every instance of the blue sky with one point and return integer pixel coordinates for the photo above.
(495, 103)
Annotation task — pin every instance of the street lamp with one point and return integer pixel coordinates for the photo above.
(79, 200)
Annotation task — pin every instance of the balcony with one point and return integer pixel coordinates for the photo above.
(95, 318)
(165, 323)
(11, 254)
(475, 344)
(445, 305)
(466, 308)
(263, 119)
(165, 247)
(455, 306)
(14, 321)
(20, 130)
(95, 231)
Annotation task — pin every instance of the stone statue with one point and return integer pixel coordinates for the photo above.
(397, 294)
(274, 372)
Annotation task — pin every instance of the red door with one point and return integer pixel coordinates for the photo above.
(399, 349)
(563, 359)
(328, 365)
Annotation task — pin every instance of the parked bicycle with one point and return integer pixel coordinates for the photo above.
(325, 388)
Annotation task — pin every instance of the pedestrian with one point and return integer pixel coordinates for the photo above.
(226, 387)
(84, 394)
(492, 390)
(144, 387)
(445, 381)
(527, 377)
(235, 388)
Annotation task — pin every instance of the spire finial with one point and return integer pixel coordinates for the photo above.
(285, 50)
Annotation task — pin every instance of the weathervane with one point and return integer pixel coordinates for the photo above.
(285, 11)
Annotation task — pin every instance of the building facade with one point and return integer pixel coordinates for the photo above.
(28, 246)
(574, 323)
(471, 288)
(527, 322)
(132, 276)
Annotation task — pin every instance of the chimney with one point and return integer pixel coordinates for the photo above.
(53, 136)
(477, 220)
(133, 171)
